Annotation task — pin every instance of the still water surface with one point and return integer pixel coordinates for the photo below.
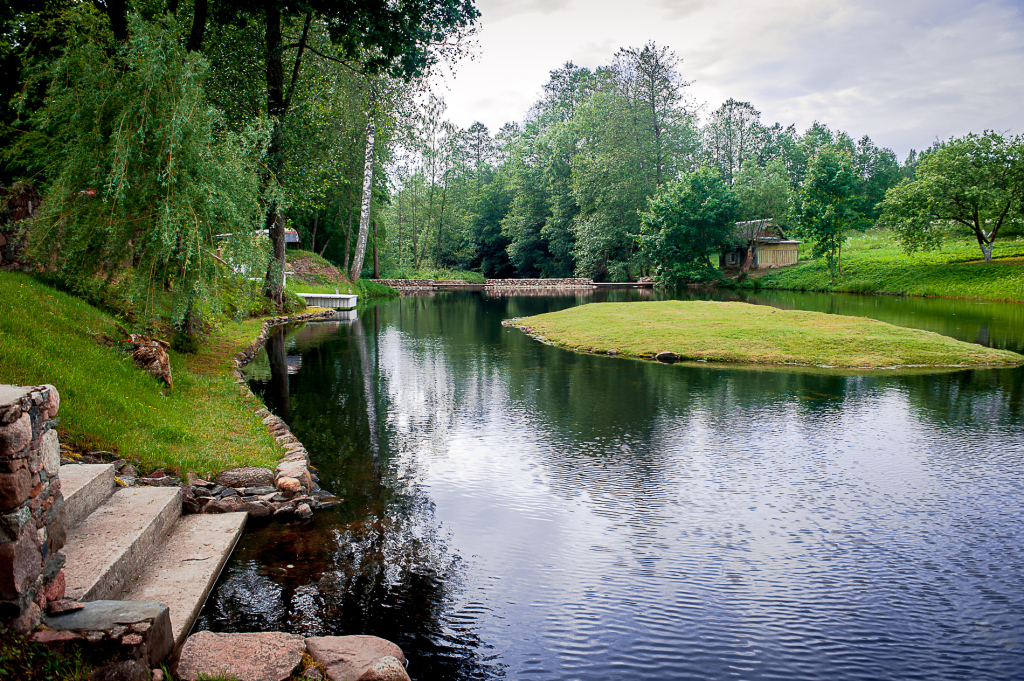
(513, 510)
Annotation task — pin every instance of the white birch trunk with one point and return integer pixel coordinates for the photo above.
(364, 213)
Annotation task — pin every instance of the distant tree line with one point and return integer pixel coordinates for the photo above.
(586, 184)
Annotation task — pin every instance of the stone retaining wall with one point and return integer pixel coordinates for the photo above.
(408, 284)
(405, 285)
(534, 284)
(295, 481)
(32, 528)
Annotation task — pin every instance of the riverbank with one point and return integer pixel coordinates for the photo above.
(205, 424)
(738, 332)
(874, 263)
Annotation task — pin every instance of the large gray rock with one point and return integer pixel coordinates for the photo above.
(268, 656)
(134, 629)
(362, 658)
(249, 476)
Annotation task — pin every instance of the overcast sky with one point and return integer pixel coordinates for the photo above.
(902, 71)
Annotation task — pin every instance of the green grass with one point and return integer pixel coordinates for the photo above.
(738, 332)
(205, 424)
(874, 263)
(22, 659)
(330, 279)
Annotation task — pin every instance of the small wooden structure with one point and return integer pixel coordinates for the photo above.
(770, 246)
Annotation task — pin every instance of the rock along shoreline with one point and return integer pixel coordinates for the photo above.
(291, 490)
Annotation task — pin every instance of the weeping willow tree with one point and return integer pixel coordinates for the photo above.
(147, 181)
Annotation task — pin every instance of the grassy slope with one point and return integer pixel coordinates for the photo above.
(314, 274)
(204, 424)
(738, 332)
(873, 263)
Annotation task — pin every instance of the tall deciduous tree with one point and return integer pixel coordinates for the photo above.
(975, 181)
(686, 223)
(825, 204)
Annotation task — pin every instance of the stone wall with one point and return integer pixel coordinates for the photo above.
(408, 284)
(489, 284)
(32, 528)
(534, 284)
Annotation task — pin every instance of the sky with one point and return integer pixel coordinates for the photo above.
(904, 72)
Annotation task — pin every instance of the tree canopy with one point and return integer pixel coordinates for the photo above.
(976, 181)
(686, 223)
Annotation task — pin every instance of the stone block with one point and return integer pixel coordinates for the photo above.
(268, 656)
(248, 476)
(49, 452)
(358, 657)
(52, 405)
(54, 591)
(11, 523)
(15, 489)
(15, 437)
(289, 486)
(20, 563)
(116, 626)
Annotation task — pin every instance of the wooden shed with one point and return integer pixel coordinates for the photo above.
(770, 246)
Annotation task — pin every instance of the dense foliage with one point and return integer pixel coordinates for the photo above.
(686, 223)
(562, 193)
(146, 171)
(975, 182)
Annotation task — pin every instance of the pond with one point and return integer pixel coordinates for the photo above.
(514, 510)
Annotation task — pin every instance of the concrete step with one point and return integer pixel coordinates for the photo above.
(85, 487)
(114, 542)
(183, 570)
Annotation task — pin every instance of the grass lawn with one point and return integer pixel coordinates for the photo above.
(738, 332)
(205, 424)
(874, 263)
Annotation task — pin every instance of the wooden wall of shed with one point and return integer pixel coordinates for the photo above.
(777, 255)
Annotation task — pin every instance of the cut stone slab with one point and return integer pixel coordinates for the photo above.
(121, 625)
(12, 394)
(268, 656)
(117, 539)
(348, 658)
(183, 570)
(84, 486)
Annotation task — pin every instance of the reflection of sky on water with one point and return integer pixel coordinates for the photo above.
(592, 517)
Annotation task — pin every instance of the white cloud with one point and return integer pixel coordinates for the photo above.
(902, 72)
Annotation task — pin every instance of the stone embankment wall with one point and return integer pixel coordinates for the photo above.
(31, 505)
(292, 488)
(405, 285)
(535, 284)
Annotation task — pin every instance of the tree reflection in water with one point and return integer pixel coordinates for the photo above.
(567, 484)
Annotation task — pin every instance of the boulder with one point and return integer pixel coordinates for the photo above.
(15, 436)
(249, 476)
(667, 356)
(267, 656)
(358, 657)
(289, 486)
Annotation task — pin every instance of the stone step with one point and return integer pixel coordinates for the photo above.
(183, 570)
(85, 487)
(114, 542)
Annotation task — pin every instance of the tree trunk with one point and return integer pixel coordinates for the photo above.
(312, 241)
(748, 259)
(364, 214)
(274, 285)
(376, 262)
(348, 241)
(117, 12)
(195, 36)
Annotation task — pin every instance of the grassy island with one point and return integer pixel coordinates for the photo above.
(739, 332)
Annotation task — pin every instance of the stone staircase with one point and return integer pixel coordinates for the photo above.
(132, 543)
